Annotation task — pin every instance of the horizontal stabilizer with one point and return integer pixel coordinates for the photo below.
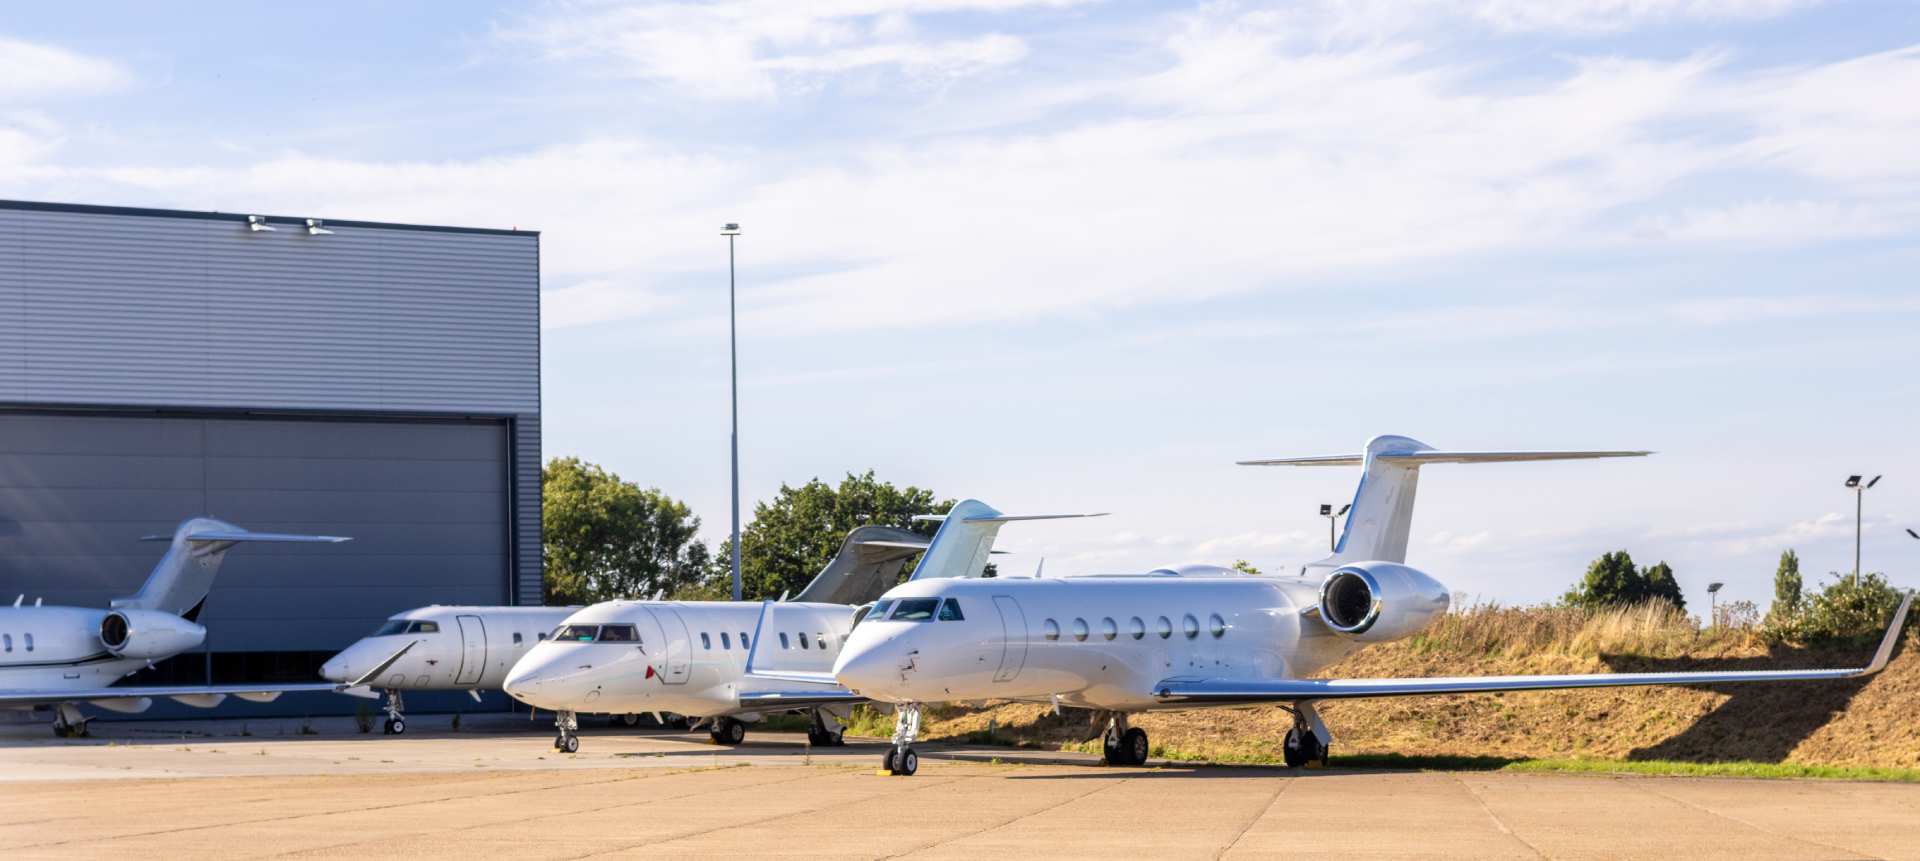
(903, 545)
(182, 693)
(1013, 518)
(1426, 457)
(244, 535)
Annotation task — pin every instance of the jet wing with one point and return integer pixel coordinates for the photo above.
(210, 695)
(1204, 691)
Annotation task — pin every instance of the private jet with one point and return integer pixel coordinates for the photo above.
(58, 657)
(440, 648)
(1191, 636)
(688, 657)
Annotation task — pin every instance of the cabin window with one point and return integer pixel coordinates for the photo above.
(619, 634)
(950, 611)
(725, 641)
(820, 641)
(915, 609)
(783, 640)
(1108, 629)
(539, 636)
(744, 642)
(706, 642)
(1217, 626)
(1053, 629)
(1080, 629)
(8, 639)
(29, 639)
(1165, 627)
(516, 638)
(1192, 626)
(1137, 627)
(577, 633)
(803, 641)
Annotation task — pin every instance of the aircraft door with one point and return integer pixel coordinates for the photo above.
(678, 645)
(473, 650)
(1013, 638)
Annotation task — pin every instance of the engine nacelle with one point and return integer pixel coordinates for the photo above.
(1379, 601)
(149, 634)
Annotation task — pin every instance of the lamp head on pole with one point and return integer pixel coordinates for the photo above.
(1876, 480)
(730, 229)
(1326, 511)
(1343, 509)
(1714, 587)
(1853, 481)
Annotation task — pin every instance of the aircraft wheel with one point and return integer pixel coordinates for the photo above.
(1133, 746)
(60, 730)
(397, 726)
(571, 744)
(1111, 753)
(1301, 747)
(729, 731)
(907, 764)
(631, 720)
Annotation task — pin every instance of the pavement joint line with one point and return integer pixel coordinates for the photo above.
(1475, 795)
(999, 825)
(1285, 785)
(631, 775)
(566, 813)
(1647, 786)
(765, 819)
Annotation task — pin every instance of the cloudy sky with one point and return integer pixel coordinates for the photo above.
(1071, 256)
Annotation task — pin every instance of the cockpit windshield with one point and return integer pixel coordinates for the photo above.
(618, 634)
(877, 611)
(577, 633)
(597, 634)
(915, 609)
(393, 626)
(407, 626)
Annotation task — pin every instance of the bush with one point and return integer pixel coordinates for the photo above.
(1846, 612)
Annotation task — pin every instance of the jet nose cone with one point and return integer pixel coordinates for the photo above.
(522, 681)
(338, 668)
(867, 668)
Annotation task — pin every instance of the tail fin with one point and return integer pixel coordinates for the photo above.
(867, 565)
(1382, 514)
(965, 539)
(181, 578)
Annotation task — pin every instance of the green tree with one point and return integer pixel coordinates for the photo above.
(603, 538)
(794, 536)
(1245, 567)
(1787, 586)
(1849, 610)
(1612, 580)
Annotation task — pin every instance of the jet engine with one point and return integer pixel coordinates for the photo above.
(149, 634)
(1379, 601)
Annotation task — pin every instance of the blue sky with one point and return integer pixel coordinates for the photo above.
(1069, 256)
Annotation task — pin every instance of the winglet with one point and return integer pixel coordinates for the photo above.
(374, 673)
(1885, 652)
(753, 648)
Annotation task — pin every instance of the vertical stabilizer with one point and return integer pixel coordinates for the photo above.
(867, 565)
(965, 540)
(182, 577)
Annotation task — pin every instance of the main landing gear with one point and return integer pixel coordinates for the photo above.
(1303, 745)
(68, 722)
(396, 724)
(901, 758)
(826, 730)
(1121, 744)
(727, 731)
(568, 739)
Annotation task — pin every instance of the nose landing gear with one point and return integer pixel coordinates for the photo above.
(396, 723)
(568, 739)
(901, 758)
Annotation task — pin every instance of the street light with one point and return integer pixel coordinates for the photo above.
(1327, 512)
(1713, 592)
(1859, 507)
(731, 230)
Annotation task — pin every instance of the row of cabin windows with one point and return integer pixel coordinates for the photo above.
(7, 641)
(628, 634)
(1137, 628)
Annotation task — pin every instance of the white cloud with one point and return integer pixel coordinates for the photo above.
(33, 72)
(598, 302)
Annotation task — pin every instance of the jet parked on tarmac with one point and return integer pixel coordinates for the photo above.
(1191, 636)
(688, 657)
(59, 657)
(439, 648)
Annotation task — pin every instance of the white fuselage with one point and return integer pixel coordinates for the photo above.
(683, 658)
(1095, 642)
(57, 649)
(452, 648)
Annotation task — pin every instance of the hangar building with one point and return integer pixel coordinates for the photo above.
(380, 381)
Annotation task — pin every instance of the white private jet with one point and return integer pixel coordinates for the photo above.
(59, 657)
(1192, 636)
(440, 648)
(688, 657)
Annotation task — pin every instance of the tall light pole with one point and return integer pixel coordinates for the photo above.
(1332, 516)
(1713, 606)
(733, 373)
(1859, 508)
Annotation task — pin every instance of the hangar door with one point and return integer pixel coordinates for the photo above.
(426, 502)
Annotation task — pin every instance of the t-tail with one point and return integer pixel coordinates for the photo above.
(181, 579)
(965, 539)
(1382, 514)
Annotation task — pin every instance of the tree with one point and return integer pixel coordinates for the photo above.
(1786, 587)
(1245, 567)
(791, 538)
(1849, 610)
(1612, 580)
(604, 538)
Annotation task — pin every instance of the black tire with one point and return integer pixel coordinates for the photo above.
(1109, 751)
(399, 726)
(60, 730)
(630, 720)
(908, 764)
(1300, 748)
(1133, 746)
(836, 738)
(729, 732)
(572, 744)
(386, 727)
(886, 761)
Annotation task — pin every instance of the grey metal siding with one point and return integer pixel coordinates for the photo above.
(190, 310)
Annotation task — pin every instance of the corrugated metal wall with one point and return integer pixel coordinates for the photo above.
(116, 307)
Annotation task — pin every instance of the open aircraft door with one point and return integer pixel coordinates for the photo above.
(1013, 638)
(473, 650)
(677, 645)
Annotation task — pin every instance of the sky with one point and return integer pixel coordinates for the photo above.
(1068, 256)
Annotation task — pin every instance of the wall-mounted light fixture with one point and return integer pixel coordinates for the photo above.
(314, 228)
(258, 223)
